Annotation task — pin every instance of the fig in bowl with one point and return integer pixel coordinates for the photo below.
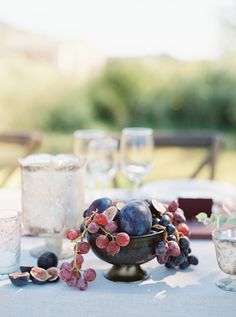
(135, 218)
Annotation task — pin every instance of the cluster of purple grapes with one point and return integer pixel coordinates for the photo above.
(174, 250)
(71, 273)
(108, 238)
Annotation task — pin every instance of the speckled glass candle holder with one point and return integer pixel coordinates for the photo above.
(225, 247)
(10, 241)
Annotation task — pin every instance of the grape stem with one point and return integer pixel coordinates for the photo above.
(75, 253)
(81, 237)
(162, 228)
(177, 233)
(107, 233)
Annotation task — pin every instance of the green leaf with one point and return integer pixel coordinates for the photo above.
(214, 218)
(202, 217)
(217, 219)
(221, 220)
(231, 220)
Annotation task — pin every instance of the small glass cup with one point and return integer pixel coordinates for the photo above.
(225, 247)
(10, 242)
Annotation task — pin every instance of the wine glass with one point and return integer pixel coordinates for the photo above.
(82, 138)
(136, 154)
(225, 247)
(103, 160)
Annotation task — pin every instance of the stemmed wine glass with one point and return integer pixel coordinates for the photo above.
(136, 154)
(82, 139)
(103, 160)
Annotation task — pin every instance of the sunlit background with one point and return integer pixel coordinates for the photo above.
(182, 29)
(169, 65)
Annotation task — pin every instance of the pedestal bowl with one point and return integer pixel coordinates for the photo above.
(126, 264)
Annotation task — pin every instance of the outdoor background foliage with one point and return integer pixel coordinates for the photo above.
(158, 92)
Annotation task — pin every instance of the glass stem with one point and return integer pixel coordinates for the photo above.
(104, 186)
(136, 187)
(54, 244)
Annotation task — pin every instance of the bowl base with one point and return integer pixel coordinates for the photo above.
(227, 284)
(126, 273)
(64, 253)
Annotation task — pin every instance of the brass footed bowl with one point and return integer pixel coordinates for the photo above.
(126, 264)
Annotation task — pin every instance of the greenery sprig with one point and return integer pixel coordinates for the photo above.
(220, 219)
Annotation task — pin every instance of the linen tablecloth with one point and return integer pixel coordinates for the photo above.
(165, 293)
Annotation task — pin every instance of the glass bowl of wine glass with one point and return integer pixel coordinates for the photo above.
(82, 139)
(103, 160)
(136, 154)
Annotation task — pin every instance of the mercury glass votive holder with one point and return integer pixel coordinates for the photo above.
(10, 242)
(225, 247)
(52, 199)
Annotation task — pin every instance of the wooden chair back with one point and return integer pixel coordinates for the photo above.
(30, 141)
(211, 141)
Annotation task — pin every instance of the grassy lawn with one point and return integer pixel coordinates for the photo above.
(168, 163)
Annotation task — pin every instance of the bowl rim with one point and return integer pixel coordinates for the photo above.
(150, 234)
(216, 233)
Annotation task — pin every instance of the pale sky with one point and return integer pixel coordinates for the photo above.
(185, 29)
